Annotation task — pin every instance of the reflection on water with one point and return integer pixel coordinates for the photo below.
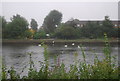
(17, 54)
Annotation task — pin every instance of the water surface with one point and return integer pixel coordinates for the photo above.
(17, 54)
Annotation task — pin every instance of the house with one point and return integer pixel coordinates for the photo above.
(79, 23)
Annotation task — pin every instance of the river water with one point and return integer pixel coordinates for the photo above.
(16, 55)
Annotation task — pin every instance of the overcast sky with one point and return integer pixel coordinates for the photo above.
(79, 10)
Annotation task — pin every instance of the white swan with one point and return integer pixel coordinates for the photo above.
(53, 42)
(78, 46)
(73, 44)
(65, 45)
(39, 44)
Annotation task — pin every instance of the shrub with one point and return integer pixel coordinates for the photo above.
(40, 34)
(66, 32)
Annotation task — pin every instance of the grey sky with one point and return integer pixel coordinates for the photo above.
(79, 10)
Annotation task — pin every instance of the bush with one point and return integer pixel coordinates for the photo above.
(40, 34)
(28, 34)
(91, 30)
(66, 32)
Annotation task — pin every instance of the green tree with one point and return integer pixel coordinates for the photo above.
(28, 34)
(52, 20)
(108, 27)
(17, 27)
(66, 32)
(91, 30)
(33, 24)
(73, 23)
(40, 34)
(3, 23)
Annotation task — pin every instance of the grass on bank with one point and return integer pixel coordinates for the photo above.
(101, 69)
(65, 40)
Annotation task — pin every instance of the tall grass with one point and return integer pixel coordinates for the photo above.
(101, 69)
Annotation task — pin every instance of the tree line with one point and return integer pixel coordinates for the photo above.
(53, 27)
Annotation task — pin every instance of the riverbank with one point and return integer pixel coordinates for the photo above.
(59, 41)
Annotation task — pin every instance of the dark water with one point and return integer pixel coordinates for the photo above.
(16, 55)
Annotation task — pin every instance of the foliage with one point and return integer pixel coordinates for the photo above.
(28, 33)
(3, 24)
(66, 32)
(40, 34)
(17, 27)
(91, 30)
(107, 27)
(97, 30)
(33, 24)
(52, 20)
(3, 21)
(73, 22)
(116, 32)
(4, 73)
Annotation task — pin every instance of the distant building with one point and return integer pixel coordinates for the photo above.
(79, 23)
